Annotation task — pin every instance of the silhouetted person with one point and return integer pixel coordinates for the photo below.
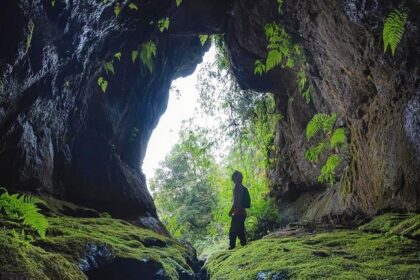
(241, 200)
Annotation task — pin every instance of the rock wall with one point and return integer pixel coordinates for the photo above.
(61, 136)
(375, 95)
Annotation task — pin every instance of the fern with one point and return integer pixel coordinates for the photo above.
(328, 170)
(103, 84)
(31, 27)
(394, 29)
(339, 137)
(147, 53)
(109, 67)
(133, 6)
(24, 209)
(134, 55)
(203, 38)
(163, 24)
(118, 56)
(259, 67)
(312, 154)
(320, 122)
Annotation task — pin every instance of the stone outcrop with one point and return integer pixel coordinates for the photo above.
(60, 135)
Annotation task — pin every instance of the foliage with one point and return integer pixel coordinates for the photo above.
(178, 2)
(118, 55)
(117, 9)
(147, 53)
(23, 208)
(339, 254)
(394, 29)
(184, 187)
(109, 67)
(203, 38)
(320, 122)
(332, 139)
(313, 153)
(163, 24)
(31, 27)
(279, 5)
(282, 52)
(339, 137)
(133, 6)
(245, 123)
(102, 83)
(328, 170)
(134, 55)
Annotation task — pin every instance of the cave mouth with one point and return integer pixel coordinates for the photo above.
(183, 106)
(210, 128)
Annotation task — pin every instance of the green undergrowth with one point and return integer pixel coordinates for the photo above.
(339, 254)
(407, 225)
(59, 254)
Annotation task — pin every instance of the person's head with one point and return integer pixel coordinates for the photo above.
(237, 177)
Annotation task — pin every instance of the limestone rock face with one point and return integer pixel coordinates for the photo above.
(60, 135)
(375, 95)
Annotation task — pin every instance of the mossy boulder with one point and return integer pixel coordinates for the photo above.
(336, 254)
(407, 225)
(94, 248)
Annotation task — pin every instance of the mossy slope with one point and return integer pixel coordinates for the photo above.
(62, 253)
(340, 254)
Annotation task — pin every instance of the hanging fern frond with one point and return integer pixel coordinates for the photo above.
(328, 170)
(23, 208)
(394, 29)
(339, 137)
(147, 53)
(320, 122)
(313, 153)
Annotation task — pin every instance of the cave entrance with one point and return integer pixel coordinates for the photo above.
(210, 128)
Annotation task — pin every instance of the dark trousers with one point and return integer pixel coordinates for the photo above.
(237, 229)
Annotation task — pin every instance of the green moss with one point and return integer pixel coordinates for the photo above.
(58, 255)
(332, 255)
(407, 225)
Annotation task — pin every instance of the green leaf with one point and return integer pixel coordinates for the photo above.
(327, 174)
(118, 55)
(133, 6)
(313, 153)
(320, 122)
(339, 137)
(259, 67)
(147, 53)
(163, 24)
(109, 66)
(117, 9)
(178, 2)
(103, 84)
(274, 58)
(394, 29)
(53, 3)
(203, 38)
(134, 55)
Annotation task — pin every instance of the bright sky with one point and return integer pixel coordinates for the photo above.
(180, 108)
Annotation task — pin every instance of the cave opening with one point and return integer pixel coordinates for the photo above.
(210, 128)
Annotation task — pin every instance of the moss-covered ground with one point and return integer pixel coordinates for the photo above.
(58, 256)
(338, 254)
